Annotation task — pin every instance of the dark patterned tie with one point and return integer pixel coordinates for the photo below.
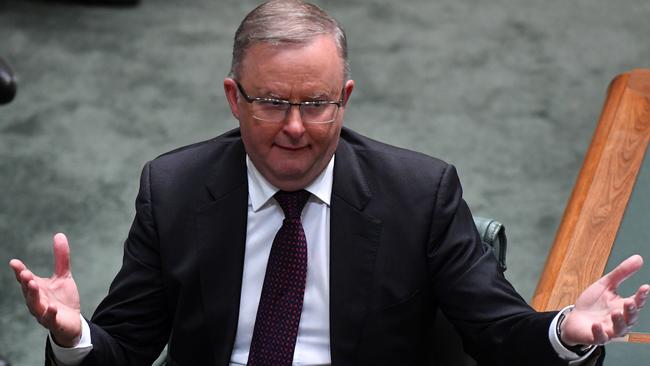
(278, 314)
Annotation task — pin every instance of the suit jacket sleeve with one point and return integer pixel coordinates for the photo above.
(131, 326)
(496, 324)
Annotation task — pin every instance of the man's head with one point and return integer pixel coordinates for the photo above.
(292, 51)
(286, 22)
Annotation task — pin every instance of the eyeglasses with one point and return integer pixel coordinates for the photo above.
(275, 110)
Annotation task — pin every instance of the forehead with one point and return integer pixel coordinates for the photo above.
(314, 64)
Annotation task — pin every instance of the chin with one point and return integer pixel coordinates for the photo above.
(287, 175)
(290, 176)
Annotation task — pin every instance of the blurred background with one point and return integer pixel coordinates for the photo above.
(507, 90)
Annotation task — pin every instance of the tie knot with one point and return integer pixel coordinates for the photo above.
(292, 203)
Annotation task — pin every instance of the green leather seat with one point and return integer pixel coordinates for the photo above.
(493, 233)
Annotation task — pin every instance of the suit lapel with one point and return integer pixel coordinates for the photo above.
(354, 240)
(221, 230)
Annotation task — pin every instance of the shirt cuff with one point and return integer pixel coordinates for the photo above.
(74, 355)
(557, 345)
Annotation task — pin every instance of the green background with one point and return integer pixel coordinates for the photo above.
(508, 90)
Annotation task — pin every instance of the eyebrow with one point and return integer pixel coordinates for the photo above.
(318, 95)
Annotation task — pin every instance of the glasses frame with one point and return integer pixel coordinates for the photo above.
(251, 99)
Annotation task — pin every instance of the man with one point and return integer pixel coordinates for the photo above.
(353, 278)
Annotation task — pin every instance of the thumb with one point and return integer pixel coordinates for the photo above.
(61, 255)
(623, 271)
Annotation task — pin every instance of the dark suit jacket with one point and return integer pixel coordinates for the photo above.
(403, 244)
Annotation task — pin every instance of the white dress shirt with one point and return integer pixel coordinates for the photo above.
(264, 220)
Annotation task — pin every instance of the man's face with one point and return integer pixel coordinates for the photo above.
(290, 154)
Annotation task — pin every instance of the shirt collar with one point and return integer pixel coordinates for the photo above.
(260, 190)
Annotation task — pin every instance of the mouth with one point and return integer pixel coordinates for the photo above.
(291, 148)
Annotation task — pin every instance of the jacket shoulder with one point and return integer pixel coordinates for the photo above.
(199, 152)
(389, 158)
(218, 162)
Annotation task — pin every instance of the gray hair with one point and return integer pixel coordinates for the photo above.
(286, 22)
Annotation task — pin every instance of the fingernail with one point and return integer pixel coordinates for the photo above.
(631, 308)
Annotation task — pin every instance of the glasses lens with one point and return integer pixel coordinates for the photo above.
(268, 110)
(276, 111)
(318, 113)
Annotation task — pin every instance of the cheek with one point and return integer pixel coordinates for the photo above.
(332, 137)
(323, 135)
(257, 137)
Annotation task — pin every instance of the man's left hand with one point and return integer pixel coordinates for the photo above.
(600, 313)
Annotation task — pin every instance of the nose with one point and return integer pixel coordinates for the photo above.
(293, 125)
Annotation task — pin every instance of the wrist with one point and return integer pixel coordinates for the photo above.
(577, 348)
(67, 338)
(560, 329)
(65, 342)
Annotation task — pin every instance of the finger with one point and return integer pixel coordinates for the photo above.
(61, 255)
(631, 313)
(18, 266)
(623, 271)
(33, 300)
(600, 337)
(641, 296)
(25, 277)
(619, 327)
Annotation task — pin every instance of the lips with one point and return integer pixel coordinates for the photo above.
(291, 148)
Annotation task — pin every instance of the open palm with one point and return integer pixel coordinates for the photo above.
(54, 301)
(600, 313)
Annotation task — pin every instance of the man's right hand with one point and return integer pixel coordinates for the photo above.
(54, 301)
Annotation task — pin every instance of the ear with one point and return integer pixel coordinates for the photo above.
(232, 95)
(349, 86)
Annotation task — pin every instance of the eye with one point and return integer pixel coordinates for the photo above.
(272, 103)
(317, 104)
